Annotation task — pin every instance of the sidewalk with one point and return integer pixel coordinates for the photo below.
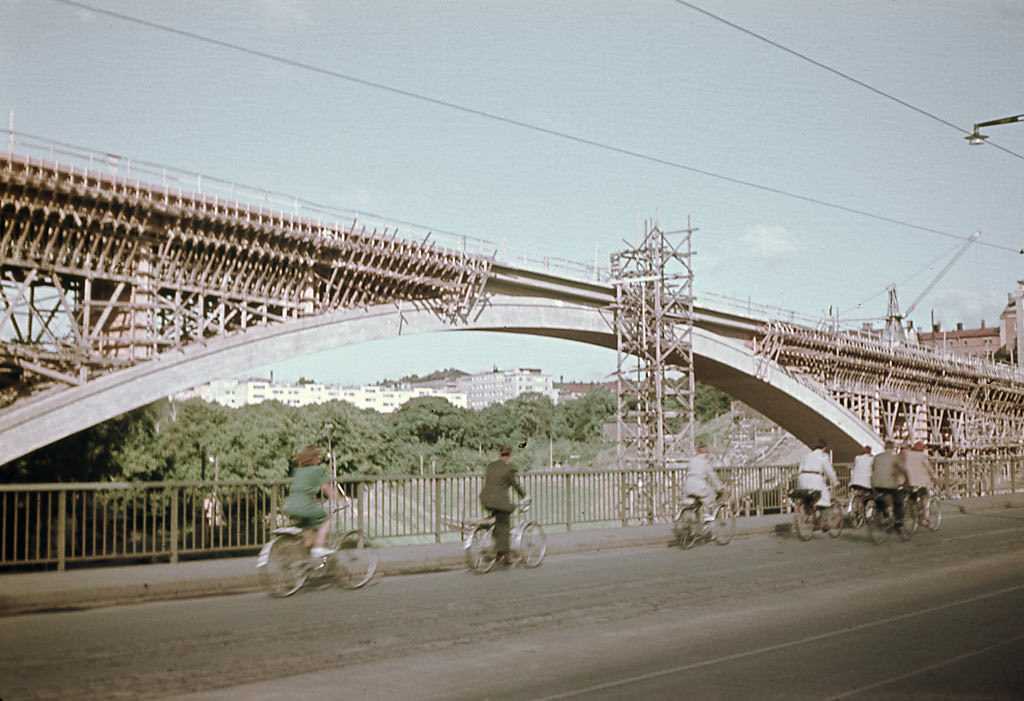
(106, 586)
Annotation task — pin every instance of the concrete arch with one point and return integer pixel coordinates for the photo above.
(721, 362)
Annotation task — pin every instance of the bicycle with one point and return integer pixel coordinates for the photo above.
(880, 515)
(527, 543)
(855, 506)
(284, 564)
(808, 517)
(928, 507)
(689, 528)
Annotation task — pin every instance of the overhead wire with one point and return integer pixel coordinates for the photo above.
(942, 256)
(510, 121)
(837, 72)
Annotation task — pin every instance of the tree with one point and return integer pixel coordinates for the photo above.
(709, 402)
(533, 415)
(583, 419)
(429, 420)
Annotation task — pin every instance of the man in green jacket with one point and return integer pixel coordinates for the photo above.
(499, 476)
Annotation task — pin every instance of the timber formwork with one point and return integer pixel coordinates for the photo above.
(99, 272)
(958, 406)
(653, 319)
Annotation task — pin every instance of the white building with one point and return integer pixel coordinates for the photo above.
(385, 399)
(486, 388)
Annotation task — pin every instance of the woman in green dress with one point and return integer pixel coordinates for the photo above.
(310, 478)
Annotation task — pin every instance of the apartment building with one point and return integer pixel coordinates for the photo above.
(382, 398)
(486, 388)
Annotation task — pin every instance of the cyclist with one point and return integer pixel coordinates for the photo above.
(887, 474)
(308, 480)
(702, 482)
(860, 476)
(816, 473)
(920, 475)
(499, 477)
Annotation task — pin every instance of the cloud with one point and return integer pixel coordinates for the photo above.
(283, 13)
(968, 307)
(768, 242)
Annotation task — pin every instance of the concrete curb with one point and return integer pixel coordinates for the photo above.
(107, 586)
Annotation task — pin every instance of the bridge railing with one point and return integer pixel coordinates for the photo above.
(56, 525)
(159, 182)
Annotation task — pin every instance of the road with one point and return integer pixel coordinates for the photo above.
(764, 617)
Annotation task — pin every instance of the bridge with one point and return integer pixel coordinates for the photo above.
(121, 286)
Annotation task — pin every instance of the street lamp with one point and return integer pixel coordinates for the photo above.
(976, 138)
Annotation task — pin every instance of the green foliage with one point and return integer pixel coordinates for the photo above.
(583, 419)
(189, 440)
(709, 402)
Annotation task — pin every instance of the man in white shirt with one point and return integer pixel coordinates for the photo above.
(816, 473)
(861, 475)
(701, 480)
(860, 481)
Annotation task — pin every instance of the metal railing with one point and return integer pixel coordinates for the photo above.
(61, 524)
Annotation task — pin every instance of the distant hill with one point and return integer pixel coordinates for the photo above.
(437, 375)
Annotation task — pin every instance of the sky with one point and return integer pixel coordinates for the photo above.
(816, 146)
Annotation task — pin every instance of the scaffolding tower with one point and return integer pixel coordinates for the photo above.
(654, 339)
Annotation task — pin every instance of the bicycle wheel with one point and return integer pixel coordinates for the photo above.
(356, 560)
(480, 555)
(687, 529)
(911, 517)
(533, 544)
(934, 514)
(803, 517)
(724, 526)
(856, 512)
(282, 565)
(877, 521)
(832, 520)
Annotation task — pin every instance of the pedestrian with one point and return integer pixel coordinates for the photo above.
(499, 477)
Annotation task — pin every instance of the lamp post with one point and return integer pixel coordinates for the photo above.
(330, 448)
(976, 138)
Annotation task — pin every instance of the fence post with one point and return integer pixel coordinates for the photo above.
(272, 524)
(437, 508)
(361, 516)
(567, 499)
(62, 524)
(174, 524)
(760, 491)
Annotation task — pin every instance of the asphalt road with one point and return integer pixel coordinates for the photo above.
(764, 617)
